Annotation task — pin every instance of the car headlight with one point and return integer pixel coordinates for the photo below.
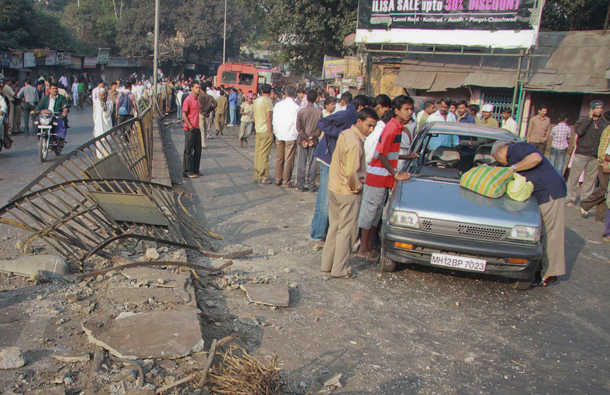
(45, 121)
(525, 233)
(407, 219)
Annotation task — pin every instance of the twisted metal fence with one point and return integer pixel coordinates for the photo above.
(101, 193)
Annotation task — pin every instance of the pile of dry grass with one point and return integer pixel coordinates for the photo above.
(239, 373)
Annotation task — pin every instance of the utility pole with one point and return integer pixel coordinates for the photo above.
(607, 19)
(224, 43)
(156, 55)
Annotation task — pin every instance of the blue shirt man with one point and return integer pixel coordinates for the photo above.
(332, 126)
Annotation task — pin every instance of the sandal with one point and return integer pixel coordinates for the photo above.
(373, 256)
(570, 204)
(262, 182)
(347, 277)
(606, 239)
(289, 186)
(546, 281)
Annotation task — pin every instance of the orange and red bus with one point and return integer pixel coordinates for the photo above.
(238, 76)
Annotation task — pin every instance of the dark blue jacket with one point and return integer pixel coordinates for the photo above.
(332, 126)
(467, 119)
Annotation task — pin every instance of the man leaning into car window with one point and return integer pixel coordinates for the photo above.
(382, 174)
(550, 192)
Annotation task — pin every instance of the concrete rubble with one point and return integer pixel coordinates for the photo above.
(156, 334)
(11, 358)
(267, 294)
(52, 266)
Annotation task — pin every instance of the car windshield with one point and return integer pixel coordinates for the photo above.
(448, 156)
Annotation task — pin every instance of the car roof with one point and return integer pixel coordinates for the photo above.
(469, 129)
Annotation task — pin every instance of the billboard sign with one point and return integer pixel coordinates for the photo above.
(90, 62)
(77, 62)
(16, 61)
(51, 59)
(488, 23)
(333, 67)
(29, 59)
(103, 55)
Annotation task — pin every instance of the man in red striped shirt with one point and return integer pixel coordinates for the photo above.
(382, 174)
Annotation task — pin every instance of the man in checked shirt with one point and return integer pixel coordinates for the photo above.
(560, 136)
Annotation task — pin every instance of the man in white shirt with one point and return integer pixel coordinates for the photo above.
(443, 115)
(285, 130)
(382, 104)
(95, 93)
(508, 122)
(75, 93)
(342, 104)
(63, 81)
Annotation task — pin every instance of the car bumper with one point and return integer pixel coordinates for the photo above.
(495, 253)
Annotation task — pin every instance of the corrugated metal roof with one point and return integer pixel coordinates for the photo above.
(577, 62)
(444, 81)
(493, 80)
(414, 79)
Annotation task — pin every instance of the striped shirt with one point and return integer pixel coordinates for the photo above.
(389, 146)
(560, 135)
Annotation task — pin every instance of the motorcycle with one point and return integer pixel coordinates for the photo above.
(52, 133)
(88, 100)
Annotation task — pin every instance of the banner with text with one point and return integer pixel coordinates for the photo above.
(333, 67)
(489, 23)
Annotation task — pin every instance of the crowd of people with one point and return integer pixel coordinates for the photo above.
(359, 144)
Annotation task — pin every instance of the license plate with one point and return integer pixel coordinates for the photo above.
(458, 262)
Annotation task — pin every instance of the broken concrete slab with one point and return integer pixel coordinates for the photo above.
(52, 266)
(334, 382)
(48, 391)
(267, 294)
(137, 296)
(72, 357)
(153, 276)
(11, 358)
(156, 334)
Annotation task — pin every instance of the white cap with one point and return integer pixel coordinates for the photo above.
(488, 108)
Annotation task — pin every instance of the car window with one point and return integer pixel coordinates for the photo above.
(450, 155)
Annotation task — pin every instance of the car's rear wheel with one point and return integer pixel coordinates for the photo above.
(387, 265)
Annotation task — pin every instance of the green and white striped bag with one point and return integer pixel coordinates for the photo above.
(487, 180)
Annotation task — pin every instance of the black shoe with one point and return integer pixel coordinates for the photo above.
(302, 189)
(314, 189)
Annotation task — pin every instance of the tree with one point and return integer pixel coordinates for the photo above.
(17, 29)
(304, 31)
(561, 15)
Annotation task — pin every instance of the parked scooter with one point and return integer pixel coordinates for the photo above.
(52, 133)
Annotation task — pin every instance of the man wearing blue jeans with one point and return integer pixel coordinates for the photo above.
(332, 126)
(233, 107)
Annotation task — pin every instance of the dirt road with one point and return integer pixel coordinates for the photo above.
(414, 331)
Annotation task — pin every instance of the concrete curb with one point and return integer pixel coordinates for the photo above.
(160, 167)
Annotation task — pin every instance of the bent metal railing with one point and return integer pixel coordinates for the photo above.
(125, 151)
(79, 218)
(101, 193)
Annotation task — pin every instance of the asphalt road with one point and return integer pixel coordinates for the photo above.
(20, 164)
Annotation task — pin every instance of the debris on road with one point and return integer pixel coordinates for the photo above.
(267, 294)
(157, 334)
(242, 374)
(334, 382)
(11, 358)
(52, 265)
